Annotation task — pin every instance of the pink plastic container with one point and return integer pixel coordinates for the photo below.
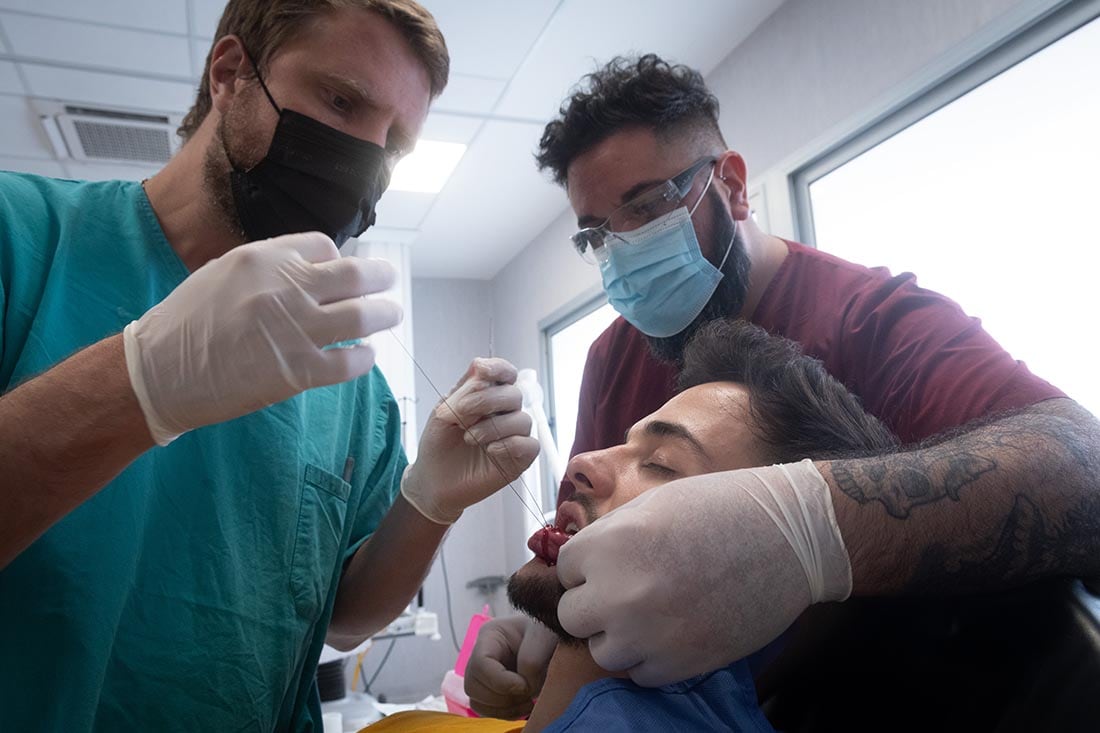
(452, 689)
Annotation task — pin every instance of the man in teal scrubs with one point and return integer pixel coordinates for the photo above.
(198, 489)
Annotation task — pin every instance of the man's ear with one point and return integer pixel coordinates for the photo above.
(731, 172)
(229, 65)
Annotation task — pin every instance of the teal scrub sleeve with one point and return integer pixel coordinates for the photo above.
(5, 274)
(3, 305)
(25, 224)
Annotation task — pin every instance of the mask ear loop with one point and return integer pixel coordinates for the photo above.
(729, 247)
(255, 68)
(260, 79)
(692, 213)
(702, 193)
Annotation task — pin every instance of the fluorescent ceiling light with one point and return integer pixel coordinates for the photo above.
(427, 167)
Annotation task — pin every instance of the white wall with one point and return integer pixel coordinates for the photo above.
(813, 66)
(452, 327)
(816, 73)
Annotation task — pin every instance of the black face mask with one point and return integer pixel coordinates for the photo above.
(313, 178)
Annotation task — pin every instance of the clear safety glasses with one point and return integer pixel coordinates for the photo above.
(639, 211)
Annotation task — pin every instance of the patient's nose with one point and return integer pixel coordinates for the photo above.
(589, 474)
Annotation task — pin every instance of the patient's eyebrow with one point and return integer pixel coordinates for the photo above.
(662, 429)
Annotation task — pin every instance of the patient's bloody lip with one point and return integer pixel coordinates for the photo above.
(546, 542)
(570, 513)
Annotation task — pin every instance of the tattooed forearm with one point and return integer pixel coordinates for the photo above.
(906, 480)
(1029, 546)
(1003, 503)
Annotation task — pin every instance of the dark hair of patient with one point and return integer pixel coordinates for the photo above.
(797, 409)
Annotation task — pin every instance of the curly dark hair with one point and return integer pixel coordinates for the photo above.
(798, 409)
(646, 91)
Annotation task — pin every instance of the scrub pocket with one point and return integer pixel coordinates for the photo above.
(317, 540)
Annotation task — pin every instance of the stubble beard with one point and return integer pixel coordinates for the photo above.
(233, 137)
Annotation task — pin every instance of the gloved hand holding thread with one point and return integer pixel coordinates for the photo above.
(248, 329)
(702, 571)
(477, 440)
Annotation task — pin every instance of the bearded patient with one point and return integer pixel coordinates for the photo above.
(745, 399)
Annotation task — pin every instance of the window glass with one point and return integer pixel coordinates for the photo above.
(568, 349)
(991, 200)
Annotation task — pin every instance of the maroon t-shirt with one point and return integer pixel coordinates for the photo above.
(915, 359)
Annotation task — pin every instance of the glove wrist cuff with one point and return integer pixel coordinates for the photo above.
(810, 527)
(132, 350)
(424, 504)
(836, 564)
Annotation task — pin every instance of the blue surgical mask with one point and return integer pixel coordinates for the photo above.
(656, 277)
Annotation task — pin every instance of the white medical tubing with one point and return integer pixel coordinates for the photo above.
(532, 402)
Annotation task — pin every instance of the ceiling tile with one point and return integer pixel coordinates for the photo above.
(389, 234)
(403, 209)
(469, 94)
(475, 37)
(510, 60)
(49, 168)
(155, 15)
(206, 14)
(80, 43)
(199, 49)
(584, 35)
(108, 89)
(495, 203)
(9, 79)
(23, 135)
(450, 128)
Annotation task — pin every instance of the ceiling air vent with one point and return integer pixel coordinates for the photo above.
(98, 134)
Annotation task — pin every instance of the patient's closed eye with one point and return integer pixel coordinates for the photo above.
(658, 469)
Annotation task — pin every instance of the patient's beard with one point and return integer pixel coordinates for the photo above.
(535, 589)
(537, 595)
(728, 297)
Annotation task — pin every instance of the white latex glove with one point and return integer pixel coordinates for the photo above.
(476, 442)
(508, 666)
(702, 571)
(246, 330)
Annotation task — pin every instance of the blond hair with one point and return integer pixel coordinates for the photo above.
(265, 26)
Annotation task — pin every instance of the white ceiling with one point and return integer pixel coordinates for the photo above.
(511, 65)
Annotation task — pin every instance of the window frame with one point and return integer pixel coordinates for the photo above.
(1038, 32)
(584, 305)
